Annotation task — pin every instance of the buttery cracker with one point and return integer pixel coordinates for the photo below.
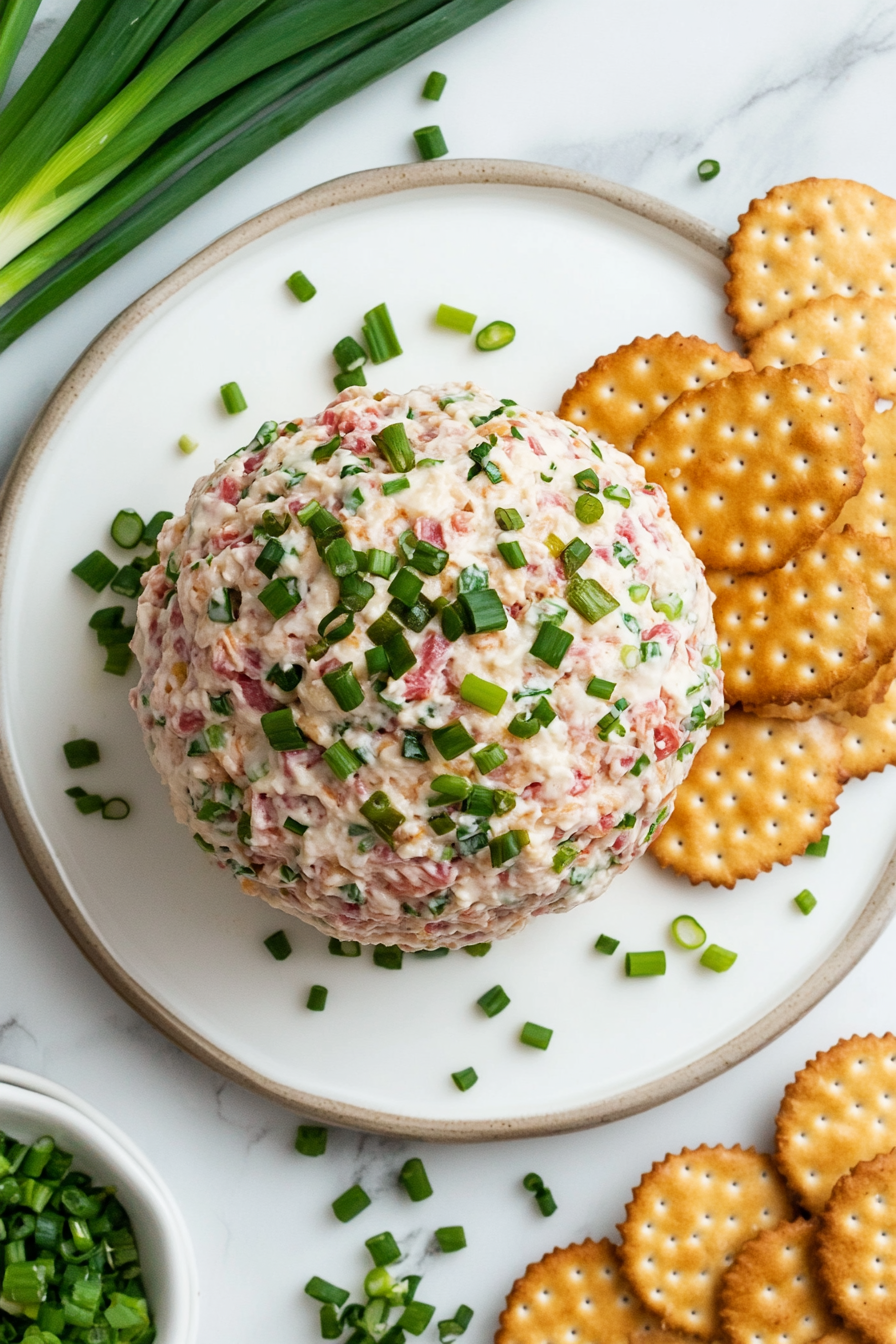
(873, 509)
(857, 1248)
(860, 329)
(686, 1222)
(759, 791)
(856, 702)
(807, 240)
(623, 392)
(756, 465)
(845, 376)
(869, 743)
(771, 1294)
(577, 1293)
(793, 634)
(839, 1110)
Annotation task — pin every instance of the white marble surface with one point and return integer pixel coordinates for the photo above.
(638, 92)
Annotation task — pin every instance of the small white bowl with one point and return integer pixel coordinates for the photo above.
(31, 1106)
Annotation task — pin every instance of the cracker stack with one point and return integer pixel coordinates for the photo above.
(727, 1245)
(781, 472)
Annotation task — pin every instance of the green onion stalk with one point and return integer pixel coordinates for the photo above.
(179, 118)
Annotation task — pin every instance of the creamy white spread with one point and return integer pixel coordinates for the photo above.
(584, 794)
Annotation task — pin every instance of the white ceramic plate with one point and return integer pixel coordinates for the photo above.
(577, 275)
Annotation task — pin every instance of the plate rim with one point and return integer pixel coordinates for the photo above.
(873, 919)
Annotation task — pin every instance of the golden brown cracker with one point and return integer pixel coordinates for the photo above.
(857, 1248)
(856, 702)
(860, 329)
(806, 240)
(845, 376)
(839, 1110)
(873, 509)
(686, 1222)
(577, 1293)
(771, 1294)
(756, 465)
(623, 392)
(654, 1332)
(793, 634)
(869, 743)
(759, 791)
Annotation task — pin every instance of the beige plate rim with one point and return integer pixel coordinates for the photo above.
(871, 922)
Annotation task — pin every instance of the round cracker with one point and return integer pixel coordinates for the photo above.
(869, 742)
(771, 1294)
(845, 376)
(855, 703)
(759, 791)
(857, 1248)
(622, 393)
(873, 563)
(860, 329)
(686, 1222)
(839, 1110)
(873, 509)
(756, 465)
(793, 634)
(806, 240)
(577, 1293)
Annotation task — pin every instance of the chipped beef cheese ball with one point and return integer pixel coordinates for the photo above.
(421, 667)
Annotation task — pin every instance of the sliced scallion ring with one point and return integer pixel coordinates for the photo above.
(495, 336)
(688, 933)
(707, 169)
(116, 809)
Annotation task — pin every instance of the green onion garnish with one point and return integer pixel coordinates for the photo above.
(642, 761)
(524, 725)
(505, 847)
(383, 1248)
(384, 628)
(324, 451)
(383, 817)
(456, 319)
(587, 479)
(154, 526)
(127, 581)
(473, 579)
(482, 611)
(317, 998)
(96, 570)
(451, 786)
(396, 485)
(380, 336)
(395, 447)
(280, 597)
(118, 660)
(574, 556)
(670, 606)
(269, 558)
(442, 823)
(354, 379)
(600, 688)
(619, 493)
(344, 687)
(489, 758)
(429, 559)
(343, 948)
(495, 336)
(303, 289)
(452, 740)
(552, 643)
(406, 586)
(355, 592)
(588, 509)
(116, 809)
(645, 963)
(187, 445)
(221, 704)
(606, 944)
(493, 1001)
(430, 142)
(348, 1206)
(805, 902)
(278, 945)
(434, 88)
(127, 529)
(415, 1180)
(478, 949)
(349, 355)
(390, 958)
(589, 599)
(280, 729)
(318, 1288)
(87, 803)
(718, 958)
(381, 563)
(401, 657)
(512, 554)
(508, 520)
(81, 751)
(412, 747)
(688, 933)
(564, 856)
(484, 694)
(817, 849)
(233, 399)
(464, 1079)
(417, 617)
(339, 557)
(311, 1141)
(451, 1238)
(546, 1202)
(342, 760)
(539, 1037)
(451, 1330)
(452, 622)
(707, 169)
(638, 592)
(297, 827)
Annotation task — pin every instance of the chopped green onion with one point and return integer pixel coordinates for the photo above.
(688, 933)
(589, 599)
(355, 592)
(349, 1205)
(203, 844)
(233, 399)
(642, 761)
(127, 581)
(311, 1141)
(452, 622)
(415, 1180)
(318, 1288)
(456, 319)
(400, 655)
(546, 1202)
(712, 656)
(317, 998)
(187, 445)
(505, 847)
(574, 556)
(221, 704)
(324, 451)
(442, 823)
(384, 628)
(630, 655)
(552, 643)
(343, 948)
(344, 687)
(452, 740)
(116, 809)
(269, 558)
(464, 1079)
(415, 1317)
(718, 958)
(297, 827)
(638, 592)
(817, 849)
(482, 611)
(450, 1330)
(433, 89)
(481, 801)
(707, 169)
(412, 747)
(406, 586)
(417, 617)
(349, 355)
(430, 142)
(508, 520)
(380, 336)
(302, 288)
(495, 336)
(339, 557)
(281, 731)
(388, 957)
(272, 526)
(395, 447)
(278, 945)
(96, 570)
(645, 963)
(473, 579)
(564, 856)
(524, 725)
(429, 559)
(587, 479)
(342, 760)
(381, 563)
(805, 902)
(383, 817)
(606, 944)
(451, 786)
(81, 751)
(118, 660)
(280, 597)
(354, 379)
(554, 544)
(489, 758)
(493, 1001)
(538, 1037)
(383, 1248)
(670, 606)
(512, 554)
(600, 688)
(107, 618)
(127, 529)
(451, 1238)
(484, 694)
(396, 485)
